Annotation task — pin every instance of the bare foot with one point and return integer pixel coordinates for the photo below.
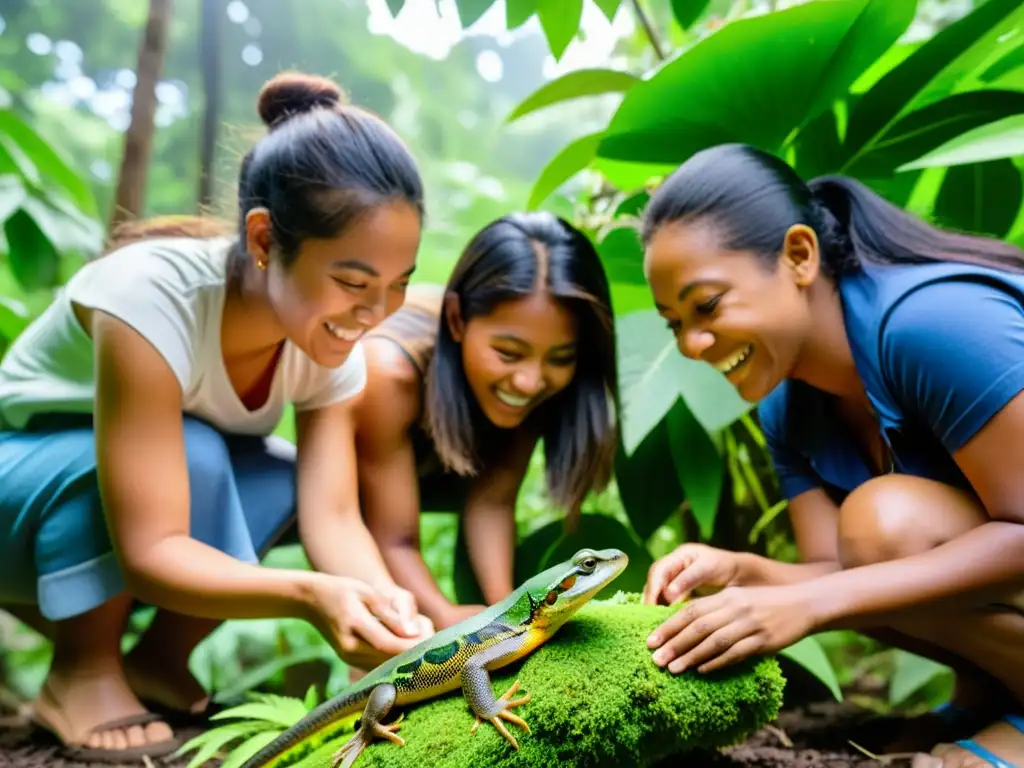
(73, 703)
(1004, 741)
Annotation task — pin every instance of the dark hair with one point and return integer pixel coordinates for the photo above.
(753, 198)
(322, 164)
(509, 259)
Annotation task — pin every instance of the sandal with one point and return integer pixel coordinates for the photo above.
(86, 754)
(975, 748)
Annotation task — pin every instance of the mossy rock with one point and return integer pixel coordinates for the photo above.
(597, 700)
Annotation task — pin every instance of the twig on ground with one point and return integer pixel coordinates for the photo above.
(781, 735)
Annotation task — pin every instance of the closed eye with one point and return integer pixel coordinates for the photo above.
(707, 307)
(348, 284)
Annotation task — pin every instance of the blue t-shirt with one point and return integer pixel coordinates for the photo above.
(939, 349)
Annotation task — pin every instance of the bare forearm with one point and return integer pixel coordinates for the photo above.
(186, 576)
(756, 571)
(410, 571)
(341, 545)
(491, 539)
(984, 564)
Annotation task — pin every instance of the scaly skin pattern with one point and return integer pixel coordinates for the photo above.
(459, 656)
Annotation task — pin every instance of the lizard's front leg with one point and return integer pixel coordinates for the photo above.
(382, 698)
(476, 688)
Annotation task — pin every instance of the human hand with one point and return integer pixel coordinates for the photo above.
(456, 613)
(403, 603)
(732, 625)
(362, 623)
(689, 567)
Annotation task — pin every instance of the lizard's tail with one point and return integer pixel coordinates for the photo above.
(298, 741)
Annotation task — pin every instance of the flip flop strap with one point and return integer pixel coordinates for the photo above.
(1016, 721)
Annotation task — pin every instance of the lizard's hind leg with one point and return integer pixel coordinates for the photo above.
(370, 727)
(476, 687)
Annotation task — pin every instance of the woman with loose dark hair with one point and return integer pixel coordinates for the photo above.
(134, 415)
(887, 358)
(465, 379)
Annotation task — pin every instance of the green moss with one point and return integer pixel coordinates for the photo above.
(597, 699)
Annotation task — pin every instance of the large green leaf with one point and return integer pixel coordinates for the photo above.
(698, 464)
(13, 318)
(34, 261)
(623, 256)
(686, 12)
(470, 11)
(572, 159)
(929, 127)
(911, 673)
(653, 373)
(518, 12)
(1003, 66)
(608, 7)
(984, 198)
(560, 19)
(893, 95)
(756, 80)
(46, 159)
(574, 85)
(648, 481)
(809, 654)
(1002, 138)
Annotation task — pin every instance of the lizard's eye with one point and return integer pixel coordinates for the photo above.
(589, 564)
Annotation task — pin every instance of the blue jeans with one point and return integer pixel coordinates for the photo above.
(54, 547)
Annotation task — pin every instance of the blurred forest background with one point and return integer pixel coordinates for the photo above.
(125, 108)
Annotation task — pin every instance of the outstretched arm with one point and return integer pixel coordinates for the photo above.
(490, 520)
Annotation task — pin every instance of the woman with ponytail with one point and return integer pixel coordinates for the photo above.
(887, 359)
(134, 416)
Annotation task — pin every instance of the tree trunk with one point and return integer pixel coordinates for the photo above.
(138, 139)
(209, 56)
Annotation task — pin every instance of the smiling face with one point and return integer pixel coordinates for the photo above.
(744, 315)
(518, 356)
(336, 289)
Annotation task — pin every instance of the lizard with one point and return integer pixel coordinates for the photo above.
(460, 655)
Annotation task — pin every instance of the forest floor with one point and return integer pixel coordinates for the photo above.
(815, 734)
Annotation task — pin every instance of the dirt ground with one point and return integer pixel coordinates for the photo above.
(815, 734)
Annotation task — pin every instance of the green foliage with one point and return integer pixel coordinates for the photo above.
(597, 699)
(46, 213)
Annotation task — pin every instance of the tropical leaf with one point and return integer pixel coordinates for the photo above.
(809, 654)
(572, 159)
(790, 66)
(993, 141)
(560, 19)
(574, 85)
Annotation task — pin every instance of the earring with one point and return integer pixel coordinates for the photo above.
(261, 264)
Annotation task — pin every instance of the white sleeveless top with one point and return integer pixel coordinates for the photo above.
(170, 290)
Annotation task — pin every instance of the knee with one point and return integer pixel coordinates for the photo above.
(206, 454)
(898, 516)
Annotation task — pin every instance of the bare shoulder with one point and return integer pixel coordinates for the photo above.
(393, 395)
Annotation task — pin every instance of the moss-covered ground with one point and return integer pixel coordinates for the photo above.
(597, 700)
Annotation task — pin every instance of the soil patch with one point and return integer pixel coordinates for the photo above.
(817, 734)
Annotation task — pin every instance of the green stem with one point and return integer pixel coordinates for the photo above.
(645, 22)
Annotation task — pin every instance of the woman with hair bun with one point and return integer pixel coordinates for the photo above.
(887, 358)
(134, 415)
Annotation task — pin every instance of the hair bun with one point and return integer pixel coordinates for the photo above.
(291, 93)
